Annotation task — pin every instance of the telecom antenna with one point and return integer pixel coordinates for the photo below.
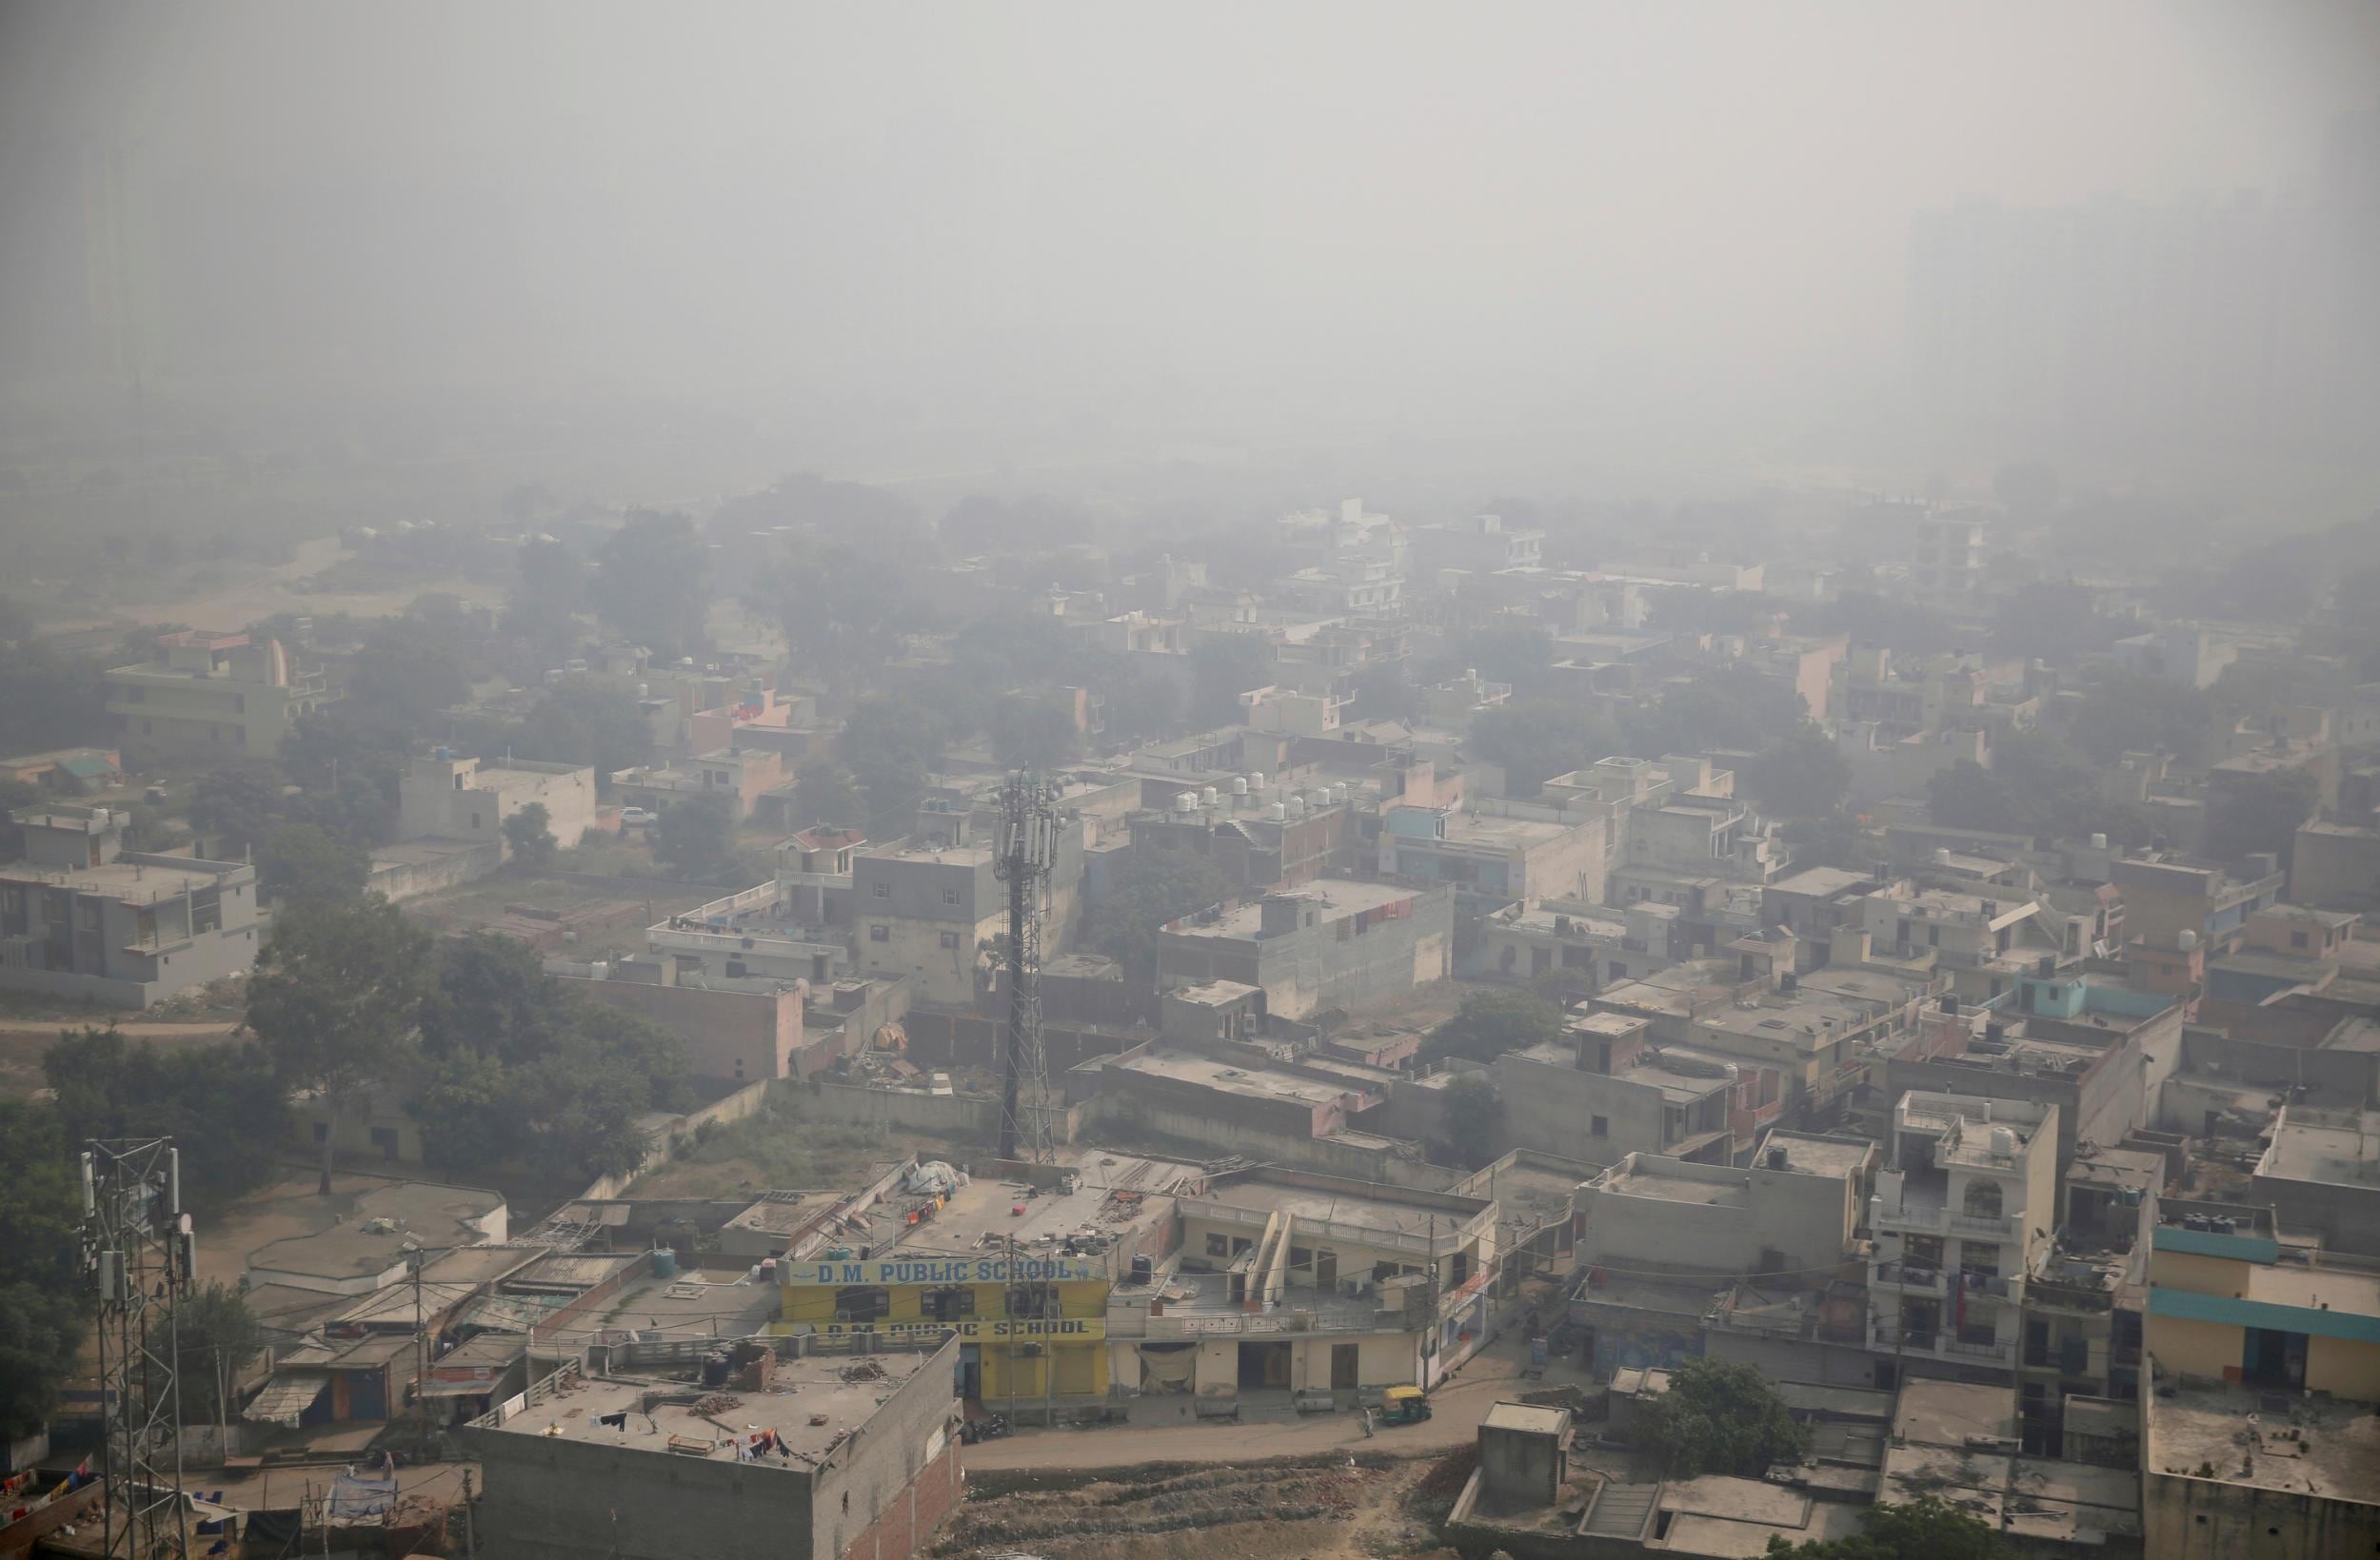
(139, 1257)
(1028, 849)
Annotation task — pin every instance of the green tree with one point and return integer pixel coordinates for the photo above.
(1928, 1528)
(698, 838)
(2130, 713)
(334, 998)
(1159, 886)
(1723, 707)
(1223, 666)
(303, 864)
(409, 668)
(581, 725)
(2261, 812)
(348, 763)
(468, 1118)
(491, 994)
(1474, 1119)
(1515, 653)
(108, 1087)
(649, 583)
(1800, 775)
(1719, 1416)
(823, 793)
(892, 744)
(1967, 796)
(41, 1310)
(236, 808)
(1031, 733)
(215, 1336)
(51, 699)
(530, 835)
(1492, 1022)
(840, 609)
(1829, 841)
(541, 612)
(1534, 740)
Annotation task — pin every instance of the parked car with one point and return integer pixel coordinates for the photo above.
(632, 817)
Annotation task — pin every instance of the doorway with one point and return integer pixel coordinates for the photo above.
(2270, 1357)
(1344, 1357)
(1264, 1365)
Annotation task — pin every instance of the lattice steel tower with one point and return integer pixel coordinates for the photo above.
(1028, 849)
(138, 1255)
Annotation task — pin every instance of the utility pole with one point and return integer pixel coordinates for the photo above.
(470, 1546)
(420, 1353)
(138, 1255)
(1028, 850)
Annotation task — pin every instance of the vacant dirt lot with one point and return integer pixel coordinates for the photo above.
(1331, 1507)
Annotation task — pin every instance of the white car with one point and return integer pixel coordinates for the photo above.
(632, 817)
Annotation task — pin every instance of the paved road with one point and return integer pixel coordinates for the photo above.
(1455, 1413)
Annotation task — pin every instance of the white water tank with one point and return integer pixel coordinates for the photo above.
(1296, 806)
(2186, 938)
(1338, 791)
(2099, 841)
(1256, 780)
(1206, 796)
(1240, 786)
(1186, 801)
(1942, 857)
(2004, 1142)
(1276, 812)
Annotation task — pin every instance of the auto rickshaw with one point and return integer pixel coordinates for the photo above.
(1404, 1406)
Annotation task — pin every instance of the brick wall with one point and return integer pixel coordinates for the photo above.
(910, 1522)
(761, 1030)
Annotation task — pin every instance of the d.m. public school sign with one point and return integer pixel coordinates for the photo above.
(895, 1272)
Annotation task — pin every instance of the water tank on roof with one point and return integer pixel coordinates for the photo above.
(1206, 795)
(1186, 801)
(1338, 791)
(1256, 780)
(2004, 1142)
(1296, 806)
(1276, 812)
(1240, 786)
(2099, 841)
(1942, 855)
(2186, 938)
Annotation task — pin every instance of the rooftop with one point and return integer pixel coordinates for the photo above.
(982, 1214)
(1337, 897)
(135, 881)
(810, 1405)
(1822, 883)
(388, 1222)
(2300, 1443)
(2339, 1147)
(1363, 1205)
(1803, 1021)
(1813, 1153)
(1529, 1419)
(1227, 1078)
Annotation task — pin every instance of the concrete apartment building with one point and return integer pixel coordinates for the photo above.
(1331, 943)
(928, 912)
(739, 776)
(1496, 851)
(1291, 1283)
(1963, 1209)
(2321, 1175)
(212, 696)
(635, 1466)
(80, 917)
(2165, 895)
(447, 797)
(1789, 1213)
(2257, 1437)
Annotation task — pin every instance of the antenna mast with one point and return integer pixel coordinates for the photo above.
(1028, 849)
(138, 1256)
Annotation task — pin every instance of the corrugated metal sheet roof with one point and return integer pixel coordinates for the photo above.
(284, 1399)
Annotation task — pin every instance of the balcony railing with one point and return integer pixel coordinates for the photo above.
(1903, 1275)
(1998, 1350)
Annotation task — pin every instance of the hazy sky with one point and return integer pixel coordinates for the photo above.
(1369, 205)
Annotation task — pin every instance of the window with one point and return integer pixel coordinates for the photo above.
(239, 704)
(1217, 1246)
(950, 895)
(1599, 1126)
(881, 890)
(880, 934)
(2297, 940)
(475, 820)
(950, 939)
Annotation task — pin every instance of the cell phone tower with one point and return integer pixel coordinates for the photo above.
(1028, 850)
(138, 1256)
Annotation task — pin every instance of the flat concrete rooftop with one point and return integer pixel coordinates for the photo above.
(2203, 1423)
(1228, 1077)
(661, 1416)
(1377, 1208)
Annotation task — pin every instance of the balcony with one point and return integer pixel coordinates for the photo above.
(1908, 1277)
(1998, 1352)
